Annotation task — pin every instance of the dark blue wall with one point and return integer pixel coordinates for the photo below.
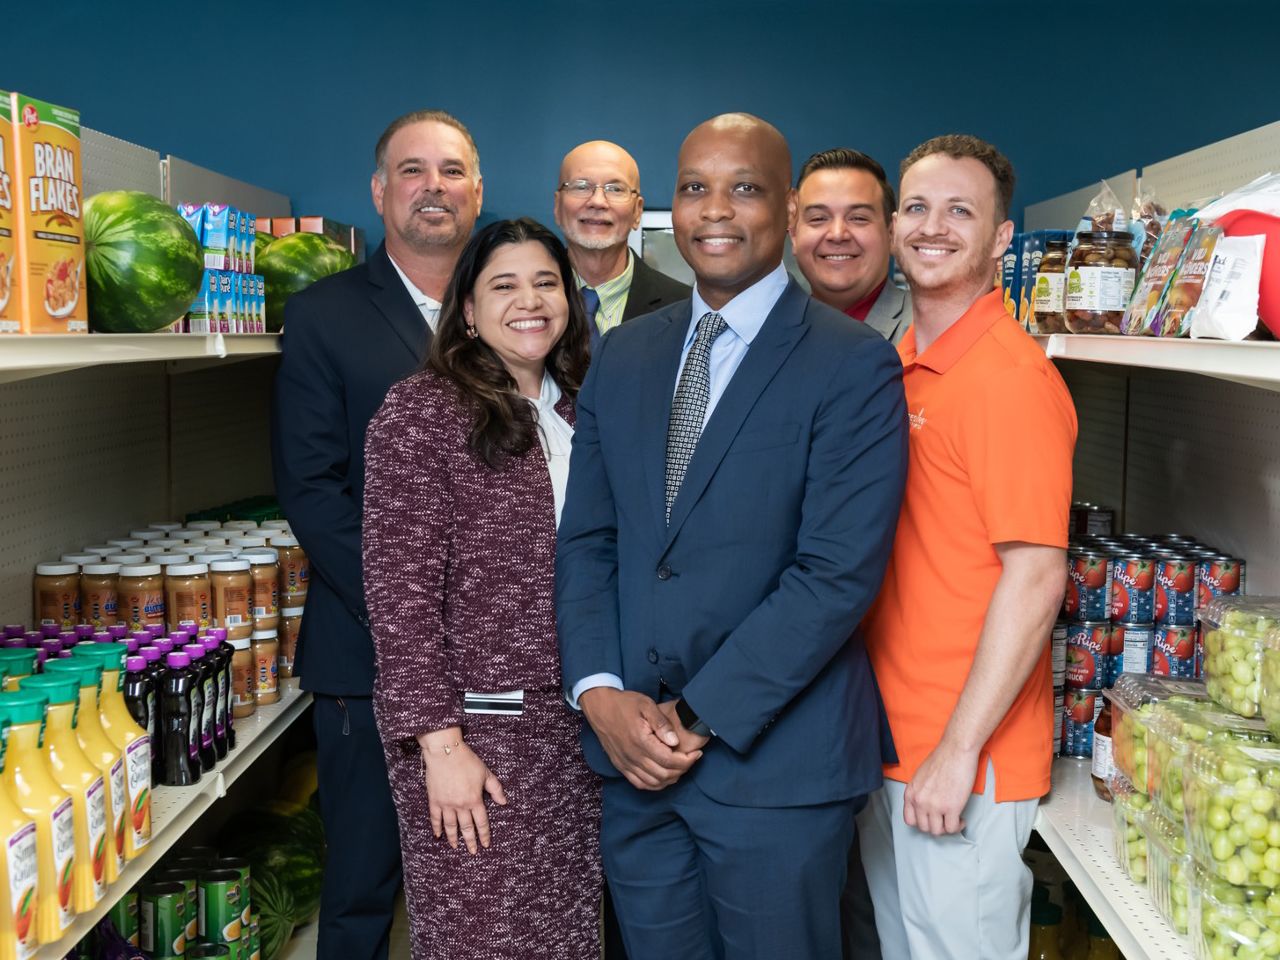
(293, 96)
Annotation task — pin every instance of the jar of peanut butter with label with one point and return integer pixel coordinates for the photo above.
(265, 571)
(295, 571)
(141, 590)
(243, 680)
(290, 626)
(56, 594)
(99, 594)
(232, 594)
(266, 650)
(205, 525)
(248, 543)
(188, 595)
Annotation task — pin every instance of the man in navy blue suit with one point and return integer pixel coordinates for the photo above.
(737, 470)
(347, 339)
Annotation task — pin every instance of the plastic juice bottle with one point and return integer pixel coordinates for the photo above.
(130, 739)
(222, 687)
(180, 736)
(226, 652)
(82, 780)
(17, 873)
(208, 694)
(139, 695)
(30, 782)
(1101, 946)
(1046, 928)
(98, 748)
(17, 663)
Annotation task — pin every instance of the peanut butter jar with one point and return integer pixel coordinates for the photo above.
(295, 571)
(232, 594)
(265, 571)
(100, 594)
(56, 594)
(141, 589)
(290, 627)
(266, 650)
(188, 595)
(243, 681)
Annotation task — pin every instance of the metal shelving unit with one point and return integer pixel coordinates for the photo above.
(175, 809)
(24, 357)
(1253, 363)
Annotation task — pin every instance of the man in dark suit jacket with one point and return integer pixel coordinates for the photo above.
(347, 339)
(597, 204)
(717, 550)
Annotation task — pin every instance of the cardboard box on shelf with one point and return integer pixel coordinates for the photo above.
(8, 224)
(283, 226)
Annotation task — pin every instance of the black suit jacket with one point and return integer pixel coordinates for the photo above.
(347, 339)
(650, 291)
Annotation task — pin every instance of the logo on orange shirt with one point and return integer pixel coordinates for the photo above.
(917, 419)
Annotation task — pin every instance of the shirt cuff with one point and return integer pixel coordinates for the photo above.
(590, 683)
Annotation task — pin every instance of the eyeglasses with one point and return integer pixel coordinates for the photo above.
(585, 190)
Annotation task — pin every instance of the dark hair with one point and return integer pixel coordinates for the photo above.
(422, 116)
(504, 423)
(961, 145)
(842, 158)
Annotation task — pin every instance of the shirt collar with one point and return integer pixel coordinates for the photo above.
(956, 340)
(862, 309)
(746, 313)
(420, 299)
(621, 282)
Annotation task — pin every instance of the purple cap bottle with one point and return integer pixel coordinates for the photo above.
(135, 664)
(210, 644)
(51, 649)
(41, 656)
(50, 630)
(84, 631)
(218, 633)
(179, 637)
(164, 645)
(68, 638)
(14, 631)
(142, 636)
(194, 650)
(102, 636)
(118, 631)
(177, 661)
(150, 654)
(157, 630)
(132, 645)
(192, 629)
(33, 638)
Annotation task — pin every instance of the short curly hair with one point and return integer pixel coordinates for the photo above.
(961, 145)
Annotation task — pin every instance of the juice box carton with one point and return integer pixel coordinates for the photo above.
(283, 226)
(226, 303)
(248, 313)
(260, 297)
(203, 315)
(216, 236)
(8, 223)
(193, 213)
(242, 245)
(250, 222)
(48, 194)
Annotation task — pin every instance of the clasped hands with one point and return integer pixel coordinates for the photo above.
(644, 740)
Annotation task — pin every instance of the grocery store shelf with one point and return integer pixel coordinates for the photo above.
(1077, 827)
(23, 357)
(1254, 363)
(175, 809)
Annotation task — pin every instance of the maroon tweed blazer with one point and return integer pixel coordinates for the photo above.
(459, 562)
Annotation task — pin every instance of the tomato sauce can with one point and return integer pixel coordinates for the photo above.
(1088, 649)
(1059, 697)
(1079, 713)
(1133, 580)
(1099, 521)
(1175, 600)
(1134, 642)
(1218, 576)
(1058, 653)
(1088, 586)
(1173, 651)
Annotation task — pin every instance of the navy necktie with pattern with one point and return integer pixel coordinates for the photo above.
(591, 300)
(689, 408)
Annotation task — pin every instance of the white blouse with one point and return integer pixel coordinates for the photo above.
(556, 437)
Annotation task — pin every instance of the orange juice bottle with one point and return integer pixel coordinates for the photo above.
(17, 662)
(26, 774)
(17, 873)
(77, 775)
(98, 748)
(129, 738)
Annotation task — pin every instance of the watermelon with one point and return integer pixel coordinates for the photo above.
(295, 262)
(306, 829)
(143, 259)
(297, 866)
(272, 899)
(260, 243)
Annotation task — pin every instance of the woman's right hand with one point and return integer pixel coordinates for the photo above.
(457, 781)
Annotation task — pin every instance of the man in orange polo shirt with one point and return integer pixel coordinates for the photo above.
(959, 634)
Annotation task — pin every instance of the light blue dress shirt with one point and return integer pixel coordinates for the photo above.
(744, 315)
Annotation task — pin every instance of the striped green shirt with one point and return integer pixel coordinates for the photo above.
(613, 296)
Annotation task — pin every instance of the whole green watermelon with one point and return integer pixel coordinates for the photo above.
(260, 243)
(293, 263)
(143, 259)
(298, 867)
(274, 902)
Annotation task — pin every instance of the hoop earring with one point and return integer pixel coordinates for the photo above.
(471, 331)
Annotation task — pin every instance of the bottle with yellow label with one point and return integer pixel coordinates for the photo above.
(129, 738)
(77, 775)
(17, 662)
(99, 749)
(26, 774)
(17, 873)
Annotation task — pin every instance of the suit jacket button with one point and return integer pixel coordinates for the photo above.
(664, 572)
(653, 655)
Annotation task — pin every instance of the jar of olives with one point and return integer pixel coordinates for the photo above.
(1100, 278)
(1051, 282)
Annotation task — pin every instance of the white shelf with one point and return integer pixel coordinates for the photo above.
(175, 809)
(1255, 363)
(22, 357)
(1077, 827)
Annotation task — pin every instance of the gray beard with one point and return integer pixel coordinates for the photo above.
(432, 241)
(592, 243)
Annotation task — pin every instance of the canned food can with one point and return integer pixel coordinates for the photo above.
(220, 906)
(255, 939)
(1174, 651)
(1099, 521)
(1079, 713)
(1058, 653)
(1199, 665)
(1088, 649)
(1077, 519)
(1134, 641)
(1058, 698)
(163, 927)
(242, 867)
(1175, 600)
(124, 917)
(1088, 585)
(1218, 576)
(185, 875)
(1133, 580)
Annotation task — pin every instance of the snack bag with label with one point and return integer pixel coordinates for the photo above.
(1228, 306)
(1161, 267)
(1151, 214)
(8, 227)
(50, 221)
(1182, 293)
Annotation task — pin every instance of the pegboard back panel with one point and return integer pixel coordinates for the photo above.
(220, 435)
(83, 458)
(1204, 458)
(1100, 397)
(1063, 212)
(114, 164)
(1216, 168)
(186, 182)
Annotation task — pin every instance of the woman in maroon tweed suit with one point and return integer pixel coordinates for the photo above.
(466, 466)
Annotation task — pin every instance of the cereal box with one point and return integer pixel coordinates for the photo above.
(283, 226)
(8, 226)
(50, 225)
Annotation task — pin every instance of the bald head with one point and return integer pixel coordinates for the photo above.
(730, 207)
(596, 221)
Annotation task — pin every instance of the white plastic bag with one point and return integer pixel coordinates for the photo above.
(1228, 307)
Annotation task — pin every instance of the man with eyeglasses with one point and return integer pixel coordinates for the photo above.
(597, 204)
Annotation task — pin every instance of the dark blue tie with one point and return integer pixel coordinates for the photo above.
(591, 300)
